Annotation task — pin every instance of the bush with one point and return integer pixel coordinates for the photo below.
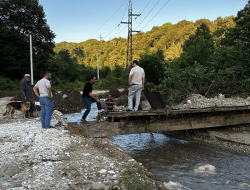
(7, 84)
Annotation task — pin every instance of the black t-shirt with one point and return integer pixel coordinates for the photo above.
(87, 89)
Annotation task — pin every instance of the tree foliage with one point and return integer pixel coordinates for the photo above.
(211, 64)
(153, 65)
(19, 19)
(169, 38)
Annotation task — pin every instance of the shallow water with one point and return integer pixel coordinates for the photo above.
(176, 160)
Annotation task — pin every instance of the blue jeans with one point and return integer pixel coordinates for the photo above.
(46, 111)
(87, 101)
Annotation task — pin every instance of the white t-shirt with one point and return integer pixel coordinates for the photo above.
(137, 73)
(42, 86)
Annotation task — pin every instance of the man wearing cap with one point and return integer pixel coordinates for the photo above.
(26, 93)
(136, 85)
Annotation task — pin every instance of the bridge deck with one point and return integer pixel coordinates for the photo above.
(119, 123)
(122, 114)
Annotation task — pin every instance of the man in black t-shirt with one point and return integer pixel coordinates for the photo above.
(88, 98)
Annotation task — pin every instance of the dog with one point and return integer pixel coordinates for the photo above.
(20, 106)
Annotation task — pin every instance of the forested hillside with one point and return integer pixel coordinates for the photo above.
(204, 57)
(168, 37)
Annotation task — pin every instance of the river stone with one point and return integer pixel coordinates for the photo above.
(11, 169)
(111, 172)
(103, 171)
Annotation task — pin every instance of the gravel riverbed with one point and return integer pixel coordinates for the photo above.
(36, 158)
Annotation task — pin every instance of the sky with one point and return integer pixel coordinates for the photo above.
(80, 20)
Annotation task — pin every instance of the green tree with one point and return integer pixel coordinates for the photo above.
(19, 19)
(241, 31)
(198, 48)
(153, 65)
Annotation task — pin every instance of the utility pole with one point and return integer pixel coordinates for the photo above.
(97, 59)
(97, 67)
(130, 31)
(31, 61)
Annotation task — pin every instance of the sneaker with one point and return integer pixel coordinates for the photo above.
(100, 112)
(128, 110)
(84, 121)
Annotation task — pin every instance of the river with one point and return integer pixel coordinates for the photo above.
(180, 161)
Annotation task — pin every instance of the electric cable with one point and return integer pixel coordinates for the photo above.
(146, 6)
(108, 20)
(156, 14)
(117, 25)
(148, 14)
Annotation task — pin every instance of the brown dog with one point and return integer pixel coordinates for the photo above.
(20, 106)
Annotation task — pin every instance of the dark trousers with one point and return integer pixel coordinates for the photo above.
(87, 101)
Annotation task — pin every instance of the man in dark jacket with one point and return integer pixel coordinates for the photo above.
(88, 98)
(26, 93)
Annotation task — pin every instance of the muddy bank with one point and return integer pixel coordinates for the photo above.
(235, 139)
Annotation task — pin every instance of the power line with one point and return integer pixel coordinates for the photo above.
(148, 14)
(156, 14)
(122, 19)
(117, 25)
(146, 6)
(111, 31)
(142, 12)
(107, 20)
(120, 31)
(124, 12)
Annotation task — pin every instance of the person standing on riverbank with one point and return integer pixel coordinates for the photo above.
(26, 94)
(45, 96)
(136, 85)
(88, 98)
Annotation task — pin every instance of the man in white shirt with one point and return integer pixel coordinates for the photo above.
(45, 96)
(136, 85)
